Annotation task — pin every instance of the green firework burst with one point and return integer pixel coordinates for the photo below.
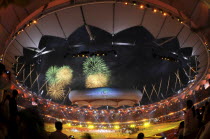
(51, 75)
(95, 65)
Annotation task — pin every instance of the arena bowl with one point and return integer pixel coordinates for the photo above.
(97, 97)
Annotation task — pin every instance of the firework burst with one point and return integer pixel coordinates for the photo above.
(51, 75)
(64, 75)
(56, 91)
(96, 80)
(95, 65)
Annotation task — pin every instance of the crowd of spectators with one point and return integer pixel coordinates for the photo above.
(27, 123)
(195, 124)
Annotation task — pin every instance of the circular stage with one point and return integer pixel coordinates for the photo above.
(105, 97)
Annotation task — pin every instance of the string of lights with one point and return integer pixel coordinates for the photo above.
(145, 110)
(141, 5)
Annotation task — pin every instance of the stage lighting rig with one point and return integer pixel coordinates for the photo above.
(39, 52)
(162, 51)
(86, 54)
(134, 3)
(123, 44)
(166, 58)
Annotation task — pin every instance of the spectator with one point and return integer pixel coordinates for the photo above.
(31, 124)
(58, 134)
(6, 110)
(13, 111)
(140, 136)
(180, 130)
(204, 132)
(205, 111)
(2, 68)
(3, 130)
(71, 137)
(199, 117)
(13, 105)
(86, 136)
(202, 111)
(190, 121)
(207, 103)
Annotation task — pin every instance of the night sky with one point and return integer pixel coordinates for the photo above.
(138, 61)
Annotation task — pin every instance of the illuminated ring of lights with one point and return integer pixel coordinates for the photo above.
(184, 92)
(35, 20)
